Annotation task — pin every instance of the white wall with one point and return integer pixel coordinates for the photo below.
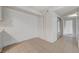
(0, 13)
(18, 25)
(21, 26)
(77, 26)
(48, 27)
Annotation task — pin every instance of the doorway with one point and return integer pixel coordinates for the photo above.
(59, 27)
(68, 28)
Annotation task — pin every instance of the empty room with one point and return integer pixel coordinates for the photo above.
(39, 29)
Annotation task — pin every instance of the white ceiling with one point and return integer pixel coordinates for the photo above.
(43, 8)
(60, 10)
(66, 10)
(38, 8)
